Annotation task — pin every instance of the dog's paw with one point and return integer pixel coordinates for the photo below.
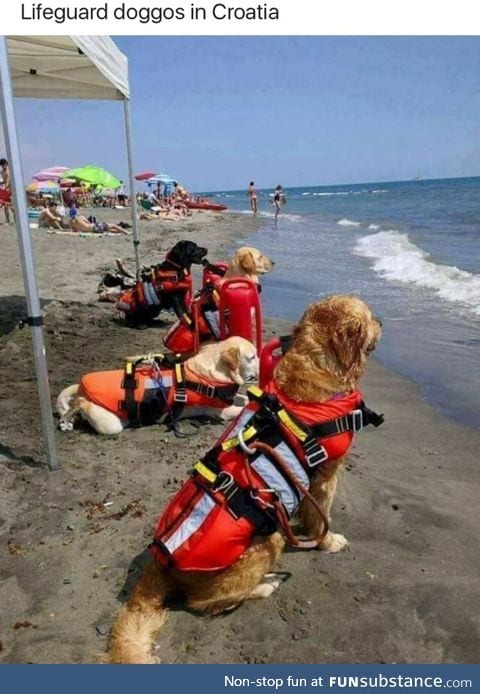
(334, 542)
(65, 426)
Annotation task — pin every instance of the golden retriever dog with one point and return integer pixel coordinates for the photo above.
(232, 362)
(249, 262)
(326, 358)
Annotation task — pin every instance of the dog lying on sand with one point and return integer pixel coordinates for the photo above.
(146, 393)
(295, 436)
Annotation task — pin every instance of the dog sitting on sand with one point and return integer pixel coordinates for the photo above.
(249, 262)
(279, 458)
(165, 286)
(146, 393)
(201, 322)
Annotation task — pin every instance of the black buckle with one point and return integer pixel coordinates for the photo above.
(342, 424)
(357, 420)
(208, 391)
(181, 395)
(314, 454)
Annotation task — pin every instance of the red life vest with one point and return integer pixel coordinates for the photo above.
(143, 396)
(212, 520)
(155, 290)
(198, 324)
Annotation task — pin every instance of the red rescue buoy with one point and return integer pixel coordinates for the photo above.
(270, 355)
(240, 310)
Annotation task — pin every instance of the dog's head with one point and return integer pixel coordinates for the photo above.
(235, 359)
(240, 358)
(329, 348)
(186, 253)
(249, 262)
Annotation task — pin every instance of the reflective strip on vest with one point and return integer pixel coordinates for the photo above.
(191, 524)
(150, 294)
(213, 320)
(157, 383)
(275, 480)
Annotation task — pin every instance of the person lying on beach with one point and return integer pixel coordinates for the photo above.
(50, 217)
(164, 213)
(80, 223)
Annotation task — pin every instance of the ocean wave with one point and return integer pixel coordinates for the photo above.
(374, 227)
(347, 223)
(397, 258)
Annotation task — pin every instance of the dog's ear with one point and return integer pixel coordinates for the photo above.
(231, 358)
(180, 252)
(349, 342)
(247, 261)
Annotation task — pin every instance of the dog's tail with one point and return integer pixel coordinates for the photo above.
(132, 635)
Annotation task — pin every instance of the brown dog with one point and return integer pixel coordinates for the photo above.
(249, 262)
(326, 359)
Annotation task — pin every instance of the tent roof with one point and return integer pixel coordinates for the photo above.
(67, 67)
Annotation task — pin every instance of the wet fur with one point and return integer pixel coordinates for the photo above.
(327, 355)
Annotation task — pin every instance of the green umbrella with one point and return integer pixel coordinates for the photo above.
(94, 175)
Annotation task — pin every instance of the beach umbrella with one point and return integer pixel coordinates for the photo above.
(144, 176)
(160, 178)
(51, 173)
(94, 175)
(42, 187)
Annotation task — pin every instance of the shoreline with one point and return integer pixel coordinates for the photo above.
(404, 591)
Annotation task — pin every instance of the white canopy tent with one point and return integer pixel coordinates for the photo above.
(55, 67)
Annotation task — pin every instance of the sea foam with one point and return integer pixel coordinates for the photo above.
(397, 258)
(347, 223)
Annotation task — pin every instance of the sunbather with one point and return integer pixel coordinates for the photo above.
(50, 217)
(80, 223)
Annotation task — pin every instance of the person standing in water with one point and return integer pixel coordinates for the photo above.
(278, 200)
(252, 195)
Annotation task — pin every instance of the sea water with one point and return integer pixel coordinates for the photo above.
(410, 249)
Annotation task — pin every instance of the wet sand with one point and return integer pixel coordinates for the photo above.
(72, 542)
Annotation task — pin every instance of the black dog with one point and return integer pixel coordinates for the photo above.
(165, 286)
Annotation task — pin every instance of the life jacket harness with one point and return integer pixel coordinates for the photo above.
(155, 388)
(252, 481)
(167, 285)
(201, 322)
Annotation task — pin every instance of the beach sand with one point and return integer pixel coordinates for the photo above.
(73, 542)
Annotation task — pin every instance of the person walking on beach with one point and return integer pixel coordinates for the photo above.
(7, 185)
(252, 195)
(278, 200)
(121, 195)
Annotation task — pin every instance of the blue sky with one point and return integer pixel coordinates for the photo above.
(217, 112)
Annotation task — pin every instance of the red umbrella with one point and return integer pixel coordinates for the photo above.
(144, 176)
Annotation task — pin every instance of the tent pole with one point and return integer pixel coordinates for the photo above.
(131, 179)
(34, 314)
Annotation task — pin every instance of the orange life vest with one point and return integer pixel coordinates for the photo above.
(229, 498)
(145, 395)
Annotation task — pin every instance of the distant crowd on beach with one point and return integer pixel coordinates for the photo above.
(279, 199)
